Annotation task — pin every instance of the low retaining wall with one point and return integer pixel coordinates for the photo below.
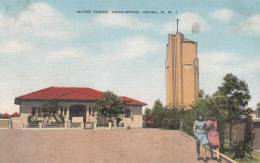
(4, 123)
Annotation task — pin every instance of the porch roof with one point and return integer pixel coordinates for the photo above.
(71, 94)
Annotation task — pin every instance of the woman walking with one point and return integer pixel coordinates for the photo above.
(200, 132)
(213, 135)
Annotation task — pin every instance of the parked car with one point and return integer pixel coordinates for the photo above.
(148, 122)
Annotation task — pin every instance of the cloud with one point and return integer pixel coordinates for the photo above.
(121, 21)
(123, 50)
(214, 66)
(251, 26)
(128, 48)
(131, 48)
(138, 46)
(66, 53)
(223, 15)
(38, 19)
(15, 47)
(189, 22)
(7, 100)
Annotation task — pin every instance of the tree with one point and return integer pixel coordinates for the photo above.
(232, 98)
(159, 112)
(148, 112)
(201, 93)
(111, 106)
(49, 110)
(158, 105)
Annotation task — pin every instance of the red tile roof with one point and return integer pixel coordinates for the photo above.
(131, 101)
(71, 94)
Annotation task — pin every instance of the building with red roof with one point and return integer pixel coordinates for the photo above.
(77, 104)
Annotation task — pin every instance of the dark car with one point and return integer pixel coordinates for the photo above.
(148, 122)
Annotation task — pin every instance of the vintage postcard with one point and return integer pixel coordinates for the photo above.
(133, 81)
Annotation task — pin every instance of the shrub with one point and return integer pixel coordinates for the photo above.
(242, 150)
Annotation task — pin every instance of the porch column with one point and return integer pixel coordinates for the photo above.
(87, 117)
(67, 114)
(87, 111)
(95, 118)
(95, 112)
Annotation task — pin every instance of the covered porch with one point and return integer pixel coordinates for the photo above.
(79, 115)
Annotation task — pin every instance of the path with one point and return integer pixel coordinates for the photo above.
(97, 146)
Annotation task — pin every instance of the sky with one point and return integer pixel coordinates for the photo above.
(47, 43)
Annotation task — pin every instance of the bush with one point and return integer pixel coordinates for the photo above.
(242, 150)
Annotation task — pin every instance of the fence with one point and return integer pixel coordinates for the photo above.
(53, 126)
(75, 125)
(46, 126)
(57, 126)
(31, 126)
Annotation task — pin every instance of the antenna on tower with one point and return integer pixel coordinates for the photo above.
(177, 25)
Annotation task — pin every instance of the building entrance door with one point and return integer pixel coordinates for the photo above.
(78, 111)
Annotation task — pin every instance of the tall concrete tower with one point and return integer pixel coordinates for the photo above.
(182, 71)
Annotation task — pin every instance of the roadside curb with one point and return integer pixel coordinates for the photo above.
(223, 156)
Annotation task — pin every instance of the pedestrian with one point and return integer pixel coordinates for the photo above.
(213, 136)
(200, 133)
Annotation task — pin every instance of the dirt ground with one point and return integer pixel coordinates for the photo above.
(95, 146)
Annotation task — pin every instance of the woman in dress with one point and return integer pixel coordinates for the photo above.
(213, 135)
(200, 133)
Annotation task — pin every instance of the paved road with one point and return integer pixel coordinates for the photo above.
(95, 146)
